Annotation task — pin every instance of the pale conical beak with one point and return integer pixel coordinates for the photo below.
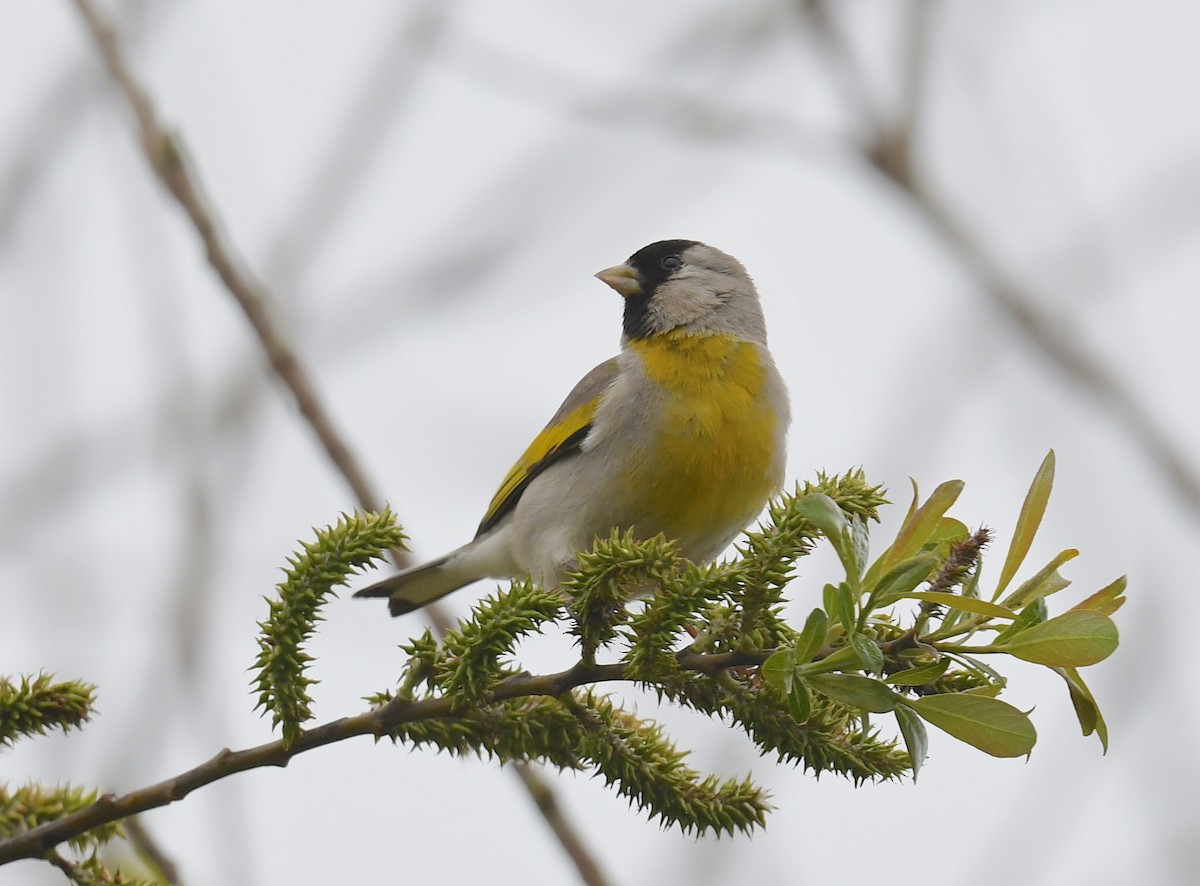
(622, 278)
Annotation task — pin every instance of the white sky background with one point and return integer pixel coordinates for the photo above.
(426, 189)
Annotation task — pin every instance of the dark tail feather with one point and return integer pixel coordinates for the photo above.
(419, 586)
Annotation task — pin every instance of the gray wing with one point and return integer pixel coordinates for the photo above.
(541, 454)
(589, 387)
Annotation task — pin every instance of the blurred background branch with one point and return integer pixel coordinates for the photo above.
(168, 157)
(891, 150)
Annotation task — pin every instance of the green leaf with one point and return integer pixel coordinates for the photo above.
(856, 691)
(829, 597)
(966, 604)
(1075, 639)
(1033, 614)
(993, 726)
(822, 512)
(914, 502)
(800, 702)
(1045, 582)
(779, 669)
(844, 606)
(919, 676)
(949, 530)
(1086, 709)
(884, 562)
(903, 578)
(916, 739)
(868, 653)
(920, 527)
(1107, 600)
(812, 638)
(1029, 520)
(860, 541)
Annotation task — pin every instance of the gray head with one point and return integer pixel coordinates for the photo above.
(689, 286)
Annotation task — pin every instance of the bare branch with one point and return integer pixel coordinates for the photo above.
(60, 110)
(548, 805)
(151, 852)
(891, 154)
(166, 156)
(360, 135)
(1056, 342)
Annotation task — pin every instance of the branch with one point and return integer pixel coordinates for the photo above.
(1058, 344)
(166, 156)
(151, 852)
(891, 153)
(547, 804)
(378, 722)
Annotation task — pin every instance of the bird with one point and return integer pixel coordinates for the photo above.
(682, 433)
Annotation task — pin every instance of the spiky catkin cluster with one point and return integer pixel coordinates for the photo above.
(338, 552)
(33, 706)
(24, 808)
(581, 731)
(635, 757)
(617, 569)
(37, 704)
(471, 663)
(768, 553)
(713, 638)
(636, 602)
(830, 740)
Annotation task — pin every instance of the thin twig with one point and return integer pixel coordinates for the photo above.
(359, 138)
(547, 803)
(59, 111)
(1056, 342)
(890, 152)
(150, 851)
(166, 156)
(377, 722)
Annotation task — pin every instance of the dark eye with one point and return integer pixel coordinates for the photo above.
(671, 262)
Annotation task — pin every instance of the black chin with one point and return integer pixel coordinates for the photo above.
(637, 314)
(647, 261)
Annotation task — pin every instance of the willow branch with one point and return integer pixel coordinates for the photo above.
(377, 722)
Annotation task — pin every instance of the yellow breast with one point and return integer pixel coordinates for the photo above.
(717, 456)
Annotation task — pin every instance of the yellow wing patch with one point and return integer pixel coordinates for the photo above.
(556, 441)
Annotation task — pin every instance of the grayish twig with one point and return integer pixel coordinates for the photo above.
(60, 109)
(151, 852)
(358, 139)
(547, 804)
(890, 152)
(167, 157)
